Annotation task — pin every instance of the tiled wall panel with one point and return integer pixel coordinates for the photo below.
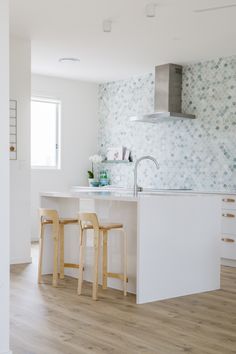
(199, 154)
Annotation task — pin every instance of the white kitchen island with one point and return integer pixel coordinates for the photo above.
(173, 239)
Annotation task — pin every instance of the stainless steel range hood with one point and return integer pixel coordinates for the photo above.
(168, 92)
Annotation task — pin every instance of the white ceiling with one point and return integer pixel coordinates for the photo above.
(73, 28)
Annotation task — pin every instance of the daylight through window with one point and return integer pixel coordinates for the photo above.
(45, 119)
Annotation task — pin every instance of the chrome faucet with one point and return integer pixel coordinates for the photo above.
(136, 187)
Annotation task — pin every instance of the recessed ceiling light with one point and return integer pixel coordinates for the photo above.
(106, 25)
(67, 60)
(208, 9)
(150, 9)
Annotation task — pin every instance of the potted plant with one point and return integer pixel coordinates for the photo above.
(95, 159)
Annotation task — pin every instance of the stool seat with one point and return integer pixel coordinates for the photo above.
(63, 221)
(104, 226)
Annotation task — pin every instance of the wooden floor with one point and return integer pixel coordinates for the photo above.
(45, 320)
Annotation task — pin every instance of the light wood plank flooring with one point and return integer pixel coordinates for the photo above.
(45, 320)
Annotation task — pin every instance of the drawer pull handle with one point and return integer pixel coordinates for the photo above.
(228, 200)
(229, 240)
(227, 215)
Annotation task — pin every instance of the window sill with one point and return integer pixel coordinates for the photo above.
(44, 168)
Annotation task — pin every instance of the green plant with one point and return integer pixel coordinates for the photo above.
(90, 174)
(94, 159)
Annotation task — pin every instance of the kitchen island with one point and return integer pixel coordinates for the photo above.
(173, 239)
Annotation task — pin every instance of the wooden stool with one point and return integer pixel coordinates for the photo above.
(50, 217)
(88, 221)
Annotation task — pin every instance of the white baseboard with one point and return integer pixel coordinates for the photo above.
(20, 261)
(228, 262)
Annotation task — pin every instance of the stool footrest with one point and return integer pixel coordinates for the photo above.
(71, 265)
(117, 276)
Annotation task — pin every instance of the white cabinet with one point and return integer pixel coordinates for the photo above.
(228, 228)
(178, 252)
(229, 202)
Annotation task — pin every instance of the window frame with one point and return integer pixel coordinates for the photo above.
(58, 132)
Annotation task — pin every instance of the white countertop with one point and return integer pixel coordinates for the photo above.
(151, 190)
(124, 194)
(105, 195)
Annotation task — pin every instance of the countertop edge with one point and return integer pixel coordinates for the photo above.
(128, 197)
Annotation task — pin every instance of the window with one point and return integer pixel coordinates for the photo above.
(45, 129)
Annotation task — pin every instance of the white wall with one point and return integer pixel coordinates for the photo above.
(4, 177)
(20, 90)
(79, 126)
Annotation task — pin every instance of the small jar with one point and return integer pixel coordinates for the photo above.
(103, 178)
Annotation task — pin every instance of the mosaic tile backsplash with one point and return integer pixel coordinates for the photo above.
(197, 154)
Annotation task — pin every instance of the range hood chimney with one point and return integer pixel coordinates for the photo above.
(168, 93)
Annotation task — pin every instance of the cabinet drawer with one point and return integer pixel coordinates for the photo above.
(229, 221)
(228, 247)
(229, 202)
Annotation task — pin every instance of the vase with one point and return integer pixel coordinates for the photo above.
(90, 181)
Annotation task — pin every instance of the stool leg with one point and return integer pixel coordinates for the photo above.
(125, 261)
(55, 259)
(104, 261)
(41, 239)
(81, 261)
(96, 260)
(61, 251)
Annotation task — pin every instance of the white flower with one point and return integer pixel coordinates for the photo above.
(96, 158)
